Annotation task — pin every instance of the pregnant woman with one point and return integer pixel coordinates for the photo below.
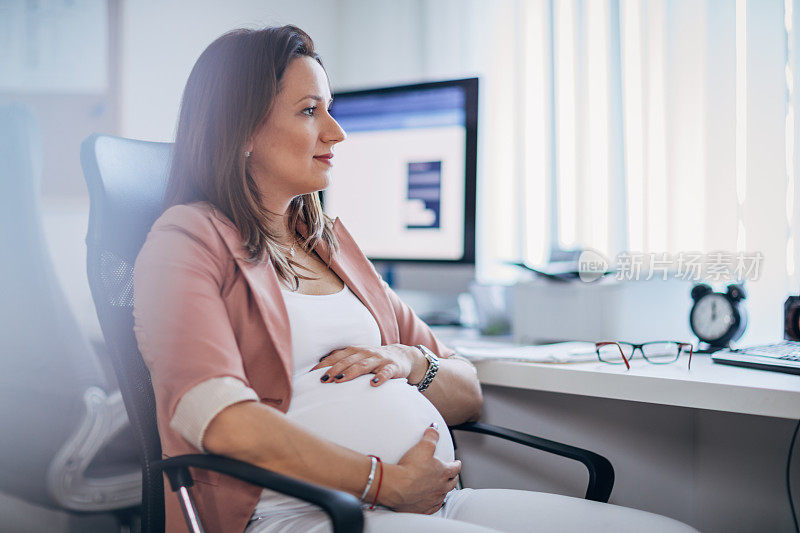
(270, 338)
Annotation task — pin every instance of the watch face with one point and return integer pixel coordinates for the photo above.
(712, 317)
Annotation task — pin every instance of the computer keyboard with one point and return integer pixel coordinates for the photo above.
(778, 357)
(782, 350)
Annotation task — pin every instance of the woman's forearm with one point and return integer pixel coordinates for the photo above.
(263, 436)
(455, 391)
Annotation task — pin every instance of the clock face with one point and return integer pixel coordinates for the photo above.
(712, 317)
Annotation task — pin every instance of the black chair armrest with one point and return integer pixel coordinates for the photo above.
(344, 509)
(601, 473)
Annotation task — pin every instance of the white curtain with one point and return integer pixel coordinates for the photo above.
(662, 125)
(641, 126)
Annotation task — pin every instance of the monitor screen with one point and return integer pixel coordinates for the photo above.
(403, 183)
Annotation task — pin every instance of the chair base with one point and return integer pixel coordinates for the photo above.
(66, 480)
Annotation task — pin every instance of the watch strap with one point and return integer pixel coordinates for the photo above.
(433, 367)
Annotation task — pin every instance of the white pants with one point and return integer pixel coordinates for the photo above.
(492, 510)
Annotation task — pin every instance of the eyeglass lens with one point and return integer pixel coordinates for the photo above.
(654, 352)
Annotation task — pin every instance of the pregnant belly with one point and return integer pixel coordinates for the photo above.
(385, 421)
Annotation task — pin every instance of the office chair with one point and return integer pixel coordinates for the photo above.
(126, 180)
(64, 435)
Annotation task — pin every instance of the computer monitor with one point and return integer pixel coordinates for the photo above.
(403, 182)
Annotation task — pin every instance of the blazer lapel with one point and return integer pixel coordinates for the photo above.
(266, 291)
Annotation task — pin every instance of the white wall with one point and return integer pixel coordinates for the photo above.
(379, 42)
(362, 44)
(161, 39)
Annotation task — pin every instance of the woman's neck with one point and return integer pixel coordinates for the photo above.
(278, 224)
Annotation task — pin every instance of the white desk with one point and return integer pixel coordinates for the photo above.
(706, 385)
(706, 446)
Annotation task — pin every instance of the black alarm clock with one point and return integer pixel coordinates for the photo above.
(718, 318)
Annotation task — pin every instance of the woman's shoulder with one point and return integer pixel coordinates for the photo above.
(197, 218)
(198, 225)
(196, 215)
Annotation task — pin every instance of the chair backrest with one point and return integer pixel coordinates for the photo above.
(126, 181)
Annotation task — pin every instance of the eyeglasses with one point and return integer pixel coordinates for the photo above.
(657, 352)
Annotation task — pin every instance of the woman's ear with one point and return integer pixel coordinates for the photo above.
(247, 151)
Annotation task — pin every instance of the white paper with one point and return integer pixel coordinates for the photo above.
(561, 352)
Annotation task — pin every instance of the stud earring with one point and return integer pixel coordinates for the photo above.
(247, 154)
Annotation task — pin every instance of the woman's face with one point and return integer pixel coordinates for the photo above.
(284, 158)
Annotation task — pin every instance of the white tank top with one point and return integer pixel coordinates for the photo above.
(385, 421)
(323, 323)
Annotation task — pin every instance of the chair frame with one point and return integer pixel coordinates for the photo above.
(116, 321)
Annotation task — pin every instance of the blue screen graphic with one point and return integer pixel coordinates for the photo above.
(425, 189)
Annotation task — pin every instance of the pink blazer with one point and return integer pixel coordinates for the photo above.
(202, 311)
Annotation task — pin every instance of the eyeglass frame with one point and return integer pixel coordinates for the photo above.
(640, 347)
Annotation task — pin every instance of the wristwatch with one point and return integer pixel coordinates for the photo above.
(433, 367)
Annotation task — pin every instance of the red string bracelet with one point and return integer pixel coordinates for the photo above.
(380, 480)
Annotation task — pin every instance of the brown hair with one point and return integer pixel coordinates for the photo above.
(228, 95)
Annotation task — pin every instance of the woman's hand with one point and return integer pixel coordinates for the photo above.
(419, 482)
(386, 362)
